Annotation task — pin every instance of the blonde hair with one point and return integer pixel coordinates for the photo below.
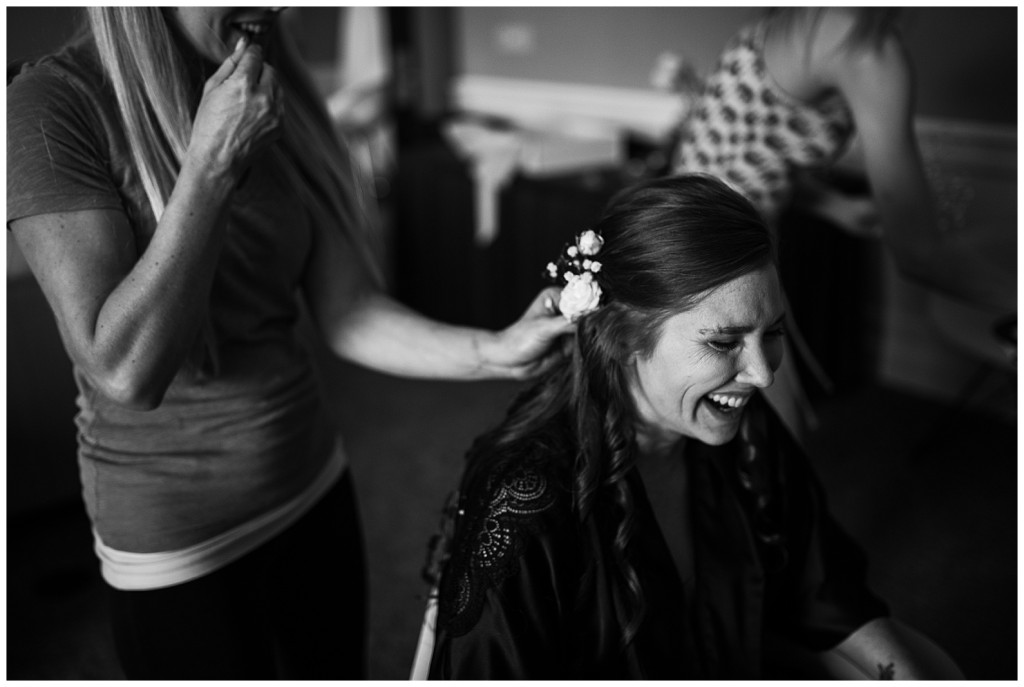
(150, 82)
(156, 95)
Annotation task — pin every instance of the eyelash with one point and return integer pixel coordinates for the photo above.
(727, 346)
(722, 346)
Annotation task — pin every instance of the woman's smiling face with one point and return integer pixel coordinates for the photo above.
(709, 360)
(214, 31)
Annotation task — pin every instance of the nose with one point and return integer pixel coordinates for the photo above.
(756, 367)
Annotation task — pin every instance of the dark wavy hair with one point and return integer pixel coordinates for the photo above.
(667, 243)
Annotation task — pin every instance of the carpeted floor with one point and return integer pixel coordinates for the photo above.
(930, 494)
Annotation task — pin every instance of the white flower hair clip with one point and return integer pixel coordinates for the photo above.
(576, 269)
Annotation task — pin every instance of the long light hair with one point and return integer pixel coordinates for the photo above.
(150, 80)
(157, 94)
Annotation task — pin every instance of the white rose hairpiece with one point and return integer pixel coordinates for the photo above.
(576, 270)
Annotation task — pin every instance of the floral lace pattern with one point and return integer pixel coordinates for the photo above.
(486, 550)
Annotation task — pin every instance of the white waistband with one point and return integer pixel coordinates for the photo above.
(135, 571)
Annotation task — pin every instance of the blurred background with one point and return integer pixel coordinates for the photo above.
(492, 135)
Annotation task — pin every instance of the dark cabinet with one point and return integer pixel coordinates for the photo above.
(443, 272)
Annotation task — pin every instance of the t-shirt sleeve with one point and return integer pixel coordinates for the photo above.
(825, 595)
(57, 156)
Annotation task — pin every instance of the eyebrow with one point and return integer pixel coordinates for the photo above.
(730, 331)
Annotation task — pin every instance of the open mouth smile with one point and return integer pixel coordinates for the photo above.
(727, 404)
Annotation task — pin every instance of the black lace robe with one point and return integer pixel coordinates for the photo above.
(530, 593)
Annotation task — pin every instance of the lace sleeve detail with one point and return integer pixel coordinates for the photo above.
(497, 522)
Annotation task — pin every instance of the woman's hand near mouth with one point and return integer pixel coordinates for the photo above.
(239, 114)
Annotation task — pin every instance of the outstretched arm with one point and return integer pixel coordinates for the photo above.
(378, 332)
(365, 326)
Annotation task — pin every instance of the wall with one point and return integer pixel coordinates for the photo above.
(610, 46)
(35, 31)
(966, 62)
(965, 57)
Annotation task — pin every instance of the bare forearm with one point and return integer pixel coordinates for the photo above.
(386, 336)
(149, 322)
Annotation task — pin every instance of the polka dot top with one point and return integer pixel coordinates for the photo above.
(748, 131)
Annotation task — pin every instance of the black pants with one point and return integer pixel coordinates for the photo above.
(293, 608)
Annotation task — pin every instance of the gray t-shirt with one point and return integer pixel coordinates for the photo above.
(226, 445)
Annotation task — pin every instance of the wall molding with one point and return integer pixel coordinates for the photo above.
(590, 110)
(571, 108)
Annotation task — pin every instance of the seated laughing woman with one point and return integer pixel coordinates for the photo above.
(641, 512)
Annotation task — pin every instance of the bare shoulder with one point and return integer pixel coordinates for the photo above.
(845, 57)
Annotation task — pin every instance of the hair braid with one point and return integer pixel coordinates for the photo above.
(621, 460)
(605, 428)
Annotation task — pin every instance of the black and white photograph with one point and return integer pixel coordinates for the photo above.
(511, 342)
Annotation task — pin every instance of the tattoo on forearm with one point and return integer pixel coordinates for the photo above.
(887, 672)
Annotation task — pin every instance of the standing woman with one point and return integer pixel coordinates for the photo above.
(787, 96)
(175, 186)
